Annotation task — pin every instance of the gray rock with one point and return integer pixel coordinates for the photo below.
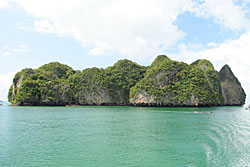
(232, 91)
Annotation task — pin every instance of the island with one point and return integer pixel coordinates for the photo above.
(164, 83)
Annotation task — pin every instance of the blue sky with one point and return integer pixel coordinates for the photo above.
(88, 33)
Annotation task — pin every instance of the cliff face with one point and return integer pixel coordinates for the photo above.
(172, 83)
(89, 88)
(110, 86)
(58, 84)
(233, 93)
(46, 85)
(164, 83)
(212, 79)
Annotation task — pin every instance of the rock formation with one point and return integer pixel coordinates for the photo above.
(233, 93)
(164, 83)
(58, 84)
(110, 86)
(46, 85)
(172, 83)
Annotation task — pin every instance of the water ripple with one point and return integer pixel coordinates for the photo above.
(124, 136)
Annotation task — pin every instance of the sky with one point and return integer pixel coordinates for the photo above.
(94, 33)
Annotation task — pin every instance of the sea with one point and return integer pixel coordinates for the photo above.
(102, 136)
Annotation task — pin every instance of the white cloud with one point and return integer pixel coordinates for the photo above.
(224, 12)
(133, 29)
(212, 44)
(44, 26)
(5, 47)
(8, 51)
(22, 26)
(5, 83)
(235, 53)
(4, 3)
(140, 29)
(98, 51)
(113, 27)
(6, 54)
(21, 48)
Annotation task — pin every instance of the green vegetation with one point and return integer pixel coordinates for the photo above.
(87, 85)
(106, 86)
(124, 75)
(170, 82)
(58, 84)
(47, 85)
(212, 79)
(61, 71)
(164, 82)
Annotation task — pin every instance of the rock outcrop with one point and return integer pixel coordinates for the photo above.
(172, 83)
(232, 91)
(212, 79)
(164, 83)
(58, 84)
(46, 85)
(110, 86)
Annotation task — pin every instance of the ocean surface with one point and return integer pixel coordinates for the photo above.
(124, 136)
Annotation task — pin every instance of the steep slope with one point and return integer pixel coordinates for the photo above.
(212, 79)
(109, 86)
(164, 83)
(172, 83)
(90, 87)
(233, 93)
(46, 85)
(122, 76)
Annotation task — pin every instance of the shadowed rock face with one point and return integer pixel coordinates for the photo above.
(233, 93)
(164, 83)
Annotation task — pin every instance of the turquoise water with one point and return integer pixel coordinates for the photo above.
(124, 136)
